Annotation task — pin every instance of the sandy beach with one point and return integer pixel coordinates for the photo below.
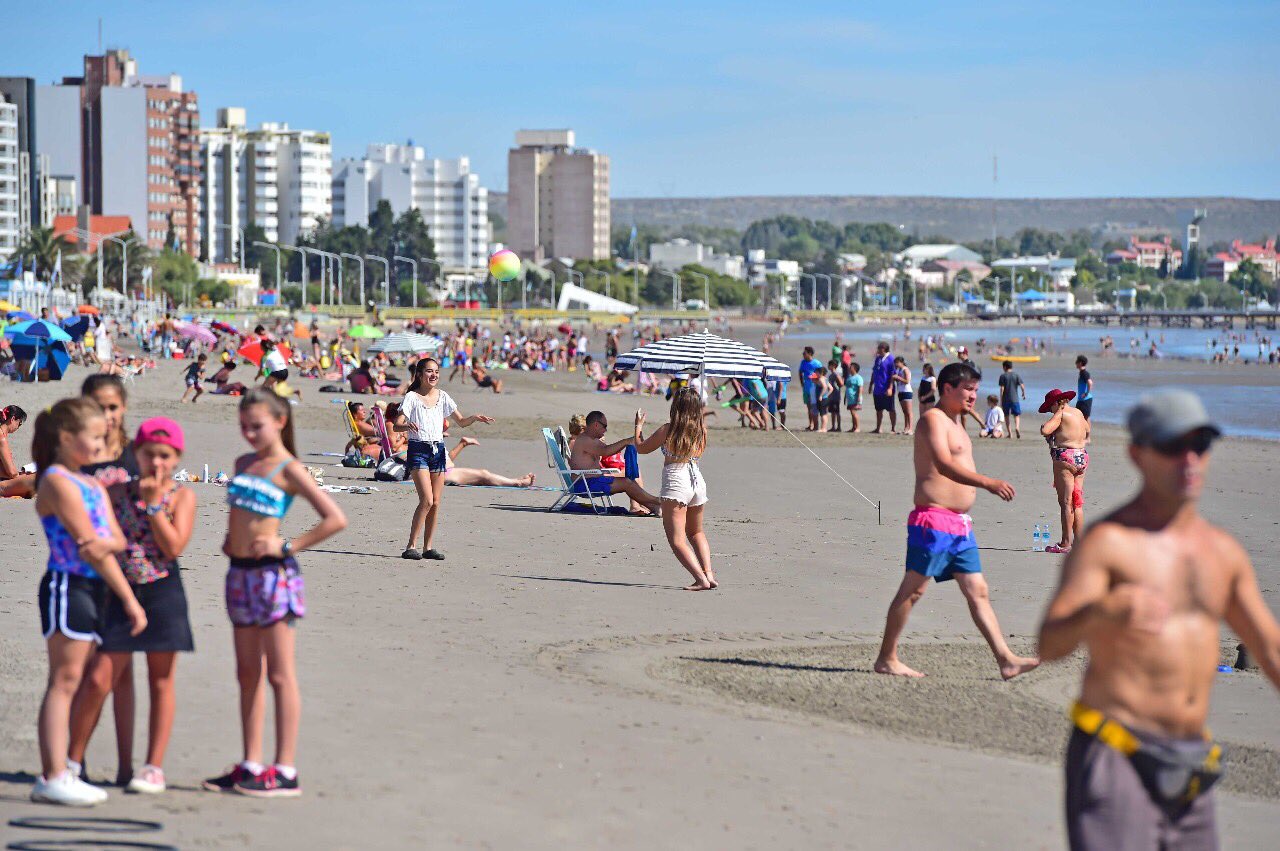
(548, 686)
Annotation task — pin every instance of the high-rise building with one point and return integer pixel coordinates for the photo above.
(138, 145)
(449, 196)
(10, 177)
(557, 197)
(273, 177)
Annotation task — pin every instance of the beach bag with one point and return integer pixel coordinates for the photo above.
(358, 459)
(391, 469)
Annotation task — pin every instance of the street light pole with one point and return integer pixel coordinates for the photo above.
(675, 283)
(607, 281)
(414, 263)
(357, 258)
(124, 262)
(813, 291)
(276, 249)
(706, 289)
(386, 277)
(306, 272)
(296, 250)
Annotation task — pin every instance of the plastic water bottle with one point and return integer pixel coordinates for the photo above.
(1037, 540)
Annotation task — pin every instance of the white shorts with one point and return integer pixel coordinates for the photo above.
(683, 483)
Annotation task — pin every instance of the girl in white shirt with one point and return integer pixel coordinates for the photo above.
(422, 414)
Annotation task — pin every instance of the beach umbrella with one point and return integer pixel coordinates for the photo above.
(7, 306)
(414, 344)
(225, 328)
(706, 353)
(301, 332)
(78, 326)
(19, 315)
(253, 352)
(87, 309)
(42, 328)
(365, 331)
(43, 354)
(199, 333)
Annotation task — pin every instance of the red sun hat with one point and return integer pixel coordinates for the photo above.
(1055, 396)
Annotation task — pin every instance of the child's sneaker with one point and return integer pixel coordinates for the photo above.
(226, 782)
(269, 783)
(68, 790)
(148, 781)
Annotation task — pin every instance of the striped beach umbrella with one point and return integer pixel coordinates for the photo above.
(399, 343)
(706, 353)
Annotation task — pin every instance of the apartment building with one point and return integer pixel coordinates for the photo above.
(273, 177)
(557, 197)
(446, 192)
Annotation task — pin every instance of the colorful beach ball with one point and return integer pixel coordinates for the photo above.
(504, 265)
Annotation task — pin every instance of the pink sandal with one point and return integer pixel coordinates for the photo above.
(1056, 548)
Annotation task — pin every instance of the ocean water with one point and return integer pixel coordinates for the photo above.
(1244, 398)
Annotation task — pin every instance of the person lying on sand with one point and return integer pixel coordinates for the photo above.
(483, 379)
(464, 476)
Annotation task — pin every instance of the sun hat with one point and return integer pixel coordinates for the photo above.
(1167, 415)
(1054, 396)
(161, 430)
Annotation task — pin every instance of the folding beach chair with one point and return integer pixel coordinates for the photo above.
(600, 503)
(384, 436)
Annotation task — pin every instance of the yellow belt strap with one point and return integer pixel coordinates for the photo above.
(1091, 722)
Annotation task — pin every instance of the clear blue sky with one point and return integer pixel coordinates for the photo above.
(724, 98)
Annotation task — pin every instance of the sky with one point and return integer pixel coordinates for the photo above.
(728, 98)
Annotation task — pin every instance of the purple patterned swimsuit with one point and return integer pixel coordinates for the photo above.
(261, 592)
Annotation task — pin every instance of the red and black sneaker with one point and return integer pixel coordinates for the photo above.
(269, 783)
(227, 782)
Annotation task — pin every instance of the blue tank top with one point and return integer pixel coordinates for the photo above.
(64, 554)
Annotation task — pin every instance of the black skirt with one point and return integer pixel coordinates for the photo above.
(168, 628)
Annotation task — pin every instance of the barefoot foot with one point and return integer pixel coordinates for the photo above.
(698, 586)
(1018, 665)
(896, 668)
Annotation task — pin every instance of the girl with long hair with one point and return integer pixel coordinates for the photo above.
(422, 414)
(83, 541)
(264, 590)
(683, 439)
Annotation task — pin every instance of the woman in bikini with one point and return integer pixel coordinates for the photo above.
(1067, 433)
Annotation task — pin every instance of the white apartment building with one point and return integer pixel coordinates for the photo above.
(675, 254)
(273, 177)
(449, 196)
(10, 180)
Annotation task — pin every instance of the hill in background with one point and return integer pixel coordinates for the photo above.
(962, 219)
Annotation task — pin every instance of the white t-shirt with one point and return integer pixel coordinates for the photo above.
(429, 421)
(274, 361)
(995, 420)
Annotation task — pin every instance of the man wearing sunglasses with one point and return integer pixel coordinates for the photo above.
(1145, 590)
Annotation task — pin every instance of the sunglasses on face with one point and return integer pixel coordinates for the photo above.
(1197, 443)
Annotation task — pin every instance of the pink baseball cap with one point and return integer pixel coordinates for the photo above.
(161, 430)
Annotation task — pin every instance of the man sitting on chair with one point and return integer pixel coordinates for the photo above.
(589, 449)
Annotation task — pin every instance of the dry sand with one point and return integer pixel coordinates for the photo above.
(542, 687)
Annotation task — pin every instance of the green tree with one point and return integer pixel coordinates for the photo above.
(1250, 278)
(41, 247)
(173, 272)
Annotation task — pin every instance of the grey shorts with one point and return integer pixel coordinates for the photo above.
(1109, 808)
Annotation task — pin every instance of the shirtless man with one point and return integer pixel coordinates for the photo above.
(1068, 434)
(483, 379)
(588, 448)
(940, 540)
(1145, 590)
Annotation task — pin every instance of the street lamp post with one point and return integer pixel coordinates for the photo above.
(124, 261)
(334, 264)
(607, 281)
(276, 249)
(306, 272)
(297, 250)
(675, 284)
(386, 277)
(828, 277)
(706, 289)
(357, 258)
(414, 263)
(813, 290)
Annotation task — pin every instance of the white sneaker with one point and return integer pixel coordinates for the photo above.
(148, 781)
(68, 790)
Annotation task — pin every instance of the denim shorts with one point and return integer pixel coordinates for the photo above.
(426, 453)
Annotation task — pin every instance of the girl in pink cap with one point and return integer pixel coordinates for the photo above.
(156, 515)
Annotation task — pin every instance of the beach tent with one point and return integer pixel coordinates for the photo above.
(706, 353)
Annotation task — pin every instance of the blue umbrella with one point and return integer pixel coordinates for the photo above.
(53, 357)
(41, 328)
(78, 326)
(19, 314)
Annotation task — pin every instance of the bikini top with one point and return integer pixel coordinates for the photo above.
(260, 494)
(64, 553)
(666, 453)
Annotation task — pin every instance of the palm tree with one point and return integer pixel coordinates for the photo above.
(43, 247)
